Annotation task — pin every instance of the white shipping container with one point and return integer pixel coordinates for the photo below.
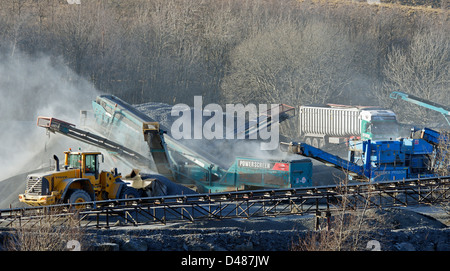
(329, 121)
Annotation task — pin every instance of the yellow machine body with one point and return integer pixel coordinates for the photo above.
(79, 173)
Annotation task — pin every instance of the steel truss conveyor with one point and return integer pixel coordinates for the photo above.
(58, 126)
(240, 204)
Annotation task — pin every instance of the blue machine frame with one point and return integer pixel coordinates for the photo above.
(393, 160)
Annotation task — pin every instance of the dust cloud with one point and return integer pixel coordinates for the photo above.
(32, 87)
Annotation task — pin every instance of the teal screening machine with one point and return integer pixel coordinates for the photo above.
(198, 169)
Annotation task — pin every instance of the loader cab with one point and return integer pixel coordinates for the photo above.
(87, 162)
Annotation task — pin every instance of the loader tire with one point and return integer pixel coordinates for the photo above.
(79, 196)
(129, 193)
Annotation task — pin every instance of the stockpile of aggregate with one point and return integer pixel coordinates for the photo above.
(399, 230)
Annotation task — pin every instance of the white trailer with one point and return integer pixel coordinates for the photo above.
(335, 124)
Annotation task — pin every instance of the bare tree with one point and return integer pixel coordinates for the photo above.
(76, 30)
(248, 51)
(48, 234)
(347, 229)
(291, 63)
(441, 162)
(422, 69)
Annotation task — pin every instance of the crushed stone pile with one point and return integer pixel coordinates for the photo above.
(395, 230)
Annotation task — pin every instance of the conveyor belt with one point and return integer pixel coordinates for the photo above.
(68, 129)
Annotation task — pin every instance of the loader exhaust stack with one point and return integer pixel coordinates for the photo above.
(56, 162)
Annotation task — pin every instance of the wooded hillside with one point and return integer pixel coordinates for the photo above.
(232, 51)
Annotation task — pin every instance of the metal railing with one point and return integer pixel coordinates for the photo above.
(238, 204)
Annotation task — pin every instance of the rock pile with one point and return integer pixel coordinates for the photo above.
(402, 230)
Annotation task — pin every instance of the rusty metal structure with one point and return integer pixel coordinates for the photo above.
(320, 201)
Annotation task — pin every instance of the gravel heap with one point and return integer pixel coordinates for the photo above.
(399, 229)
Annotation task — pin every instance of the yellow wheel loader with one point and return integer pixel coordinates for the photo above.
(79, 181)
